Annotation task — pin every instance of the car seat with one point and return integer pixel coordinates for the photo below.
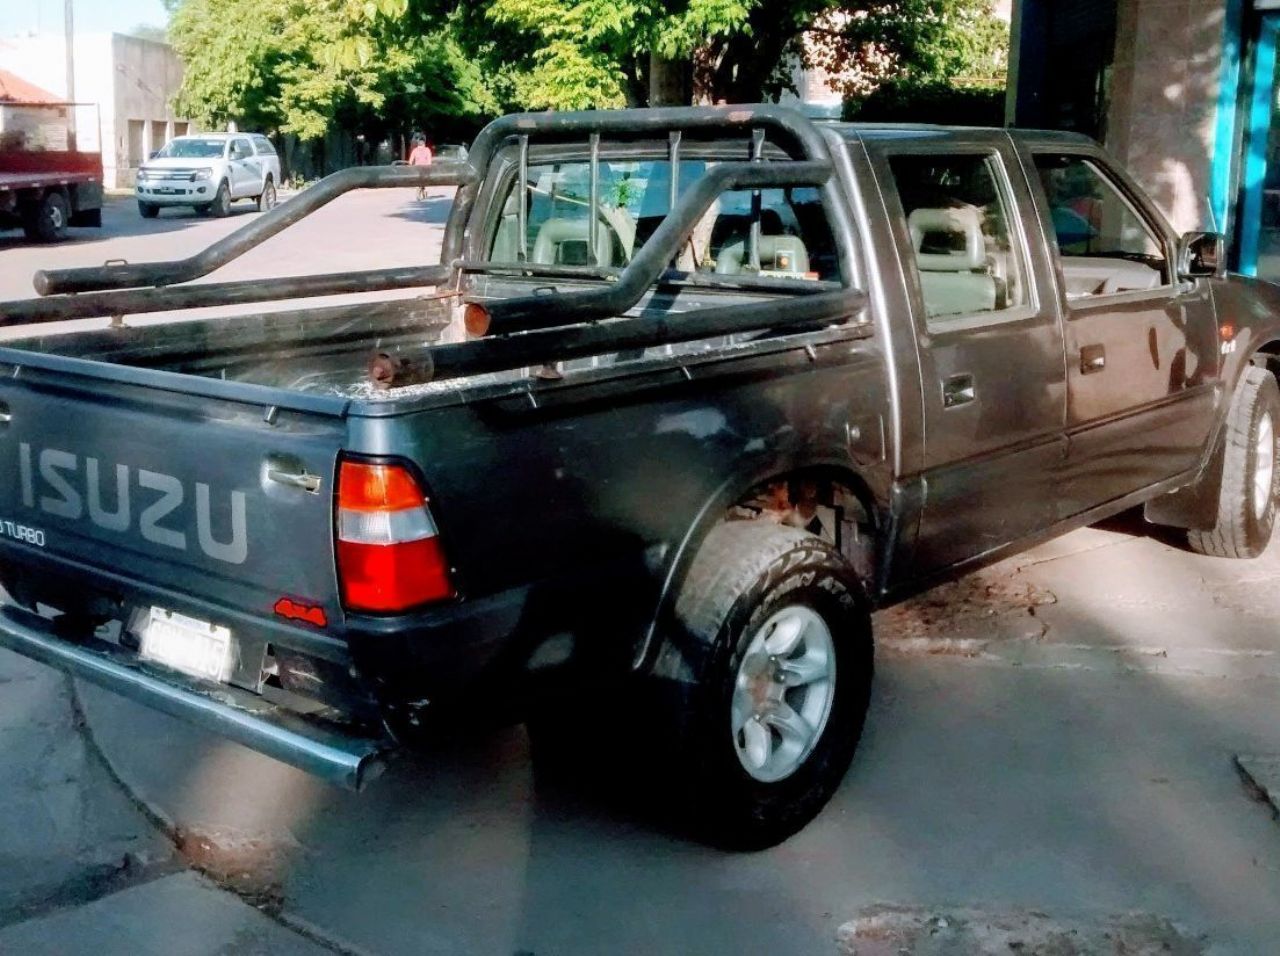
(954, 281)
(564, 242)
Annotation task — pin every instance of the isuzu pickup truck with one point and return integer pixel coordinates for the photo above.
(689, 394)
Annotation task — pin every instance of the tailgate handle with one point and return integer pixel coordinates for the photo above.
(307, 482)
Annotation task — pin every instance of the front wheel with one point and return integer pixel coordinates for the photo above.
(1247, 500)
(778, 700)
(267, 198)
(220, 208)
(148, 210)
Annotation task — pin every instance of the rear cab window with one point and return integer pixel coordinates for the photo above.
(263, 146)
(634, 196)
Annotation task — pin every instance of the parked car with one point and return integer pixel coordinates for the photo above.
(209, 172)
(644, 468)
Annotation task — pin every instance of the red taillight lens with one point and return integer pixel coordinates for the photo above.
(389, 554)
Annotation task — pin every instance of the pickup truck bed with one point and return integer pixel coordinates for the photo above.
(660, 458)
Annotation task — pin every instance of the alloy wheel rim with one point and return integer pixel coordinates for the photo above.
(1263, 466)
(782, 693)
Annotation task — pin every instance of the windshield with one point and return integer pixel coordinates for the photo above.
(192, 149)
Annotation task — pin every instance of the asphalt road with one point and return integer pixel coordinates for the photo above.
(1054, 735)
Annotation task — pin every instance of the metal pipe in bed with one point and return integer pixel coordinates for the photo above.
(137, 301)
(127, 276)
(557, 344)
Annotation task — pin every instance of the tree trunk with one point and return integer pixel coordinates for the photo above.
(668, 82)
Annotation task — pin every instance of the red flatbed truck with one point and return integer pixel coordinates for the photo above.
(45, 186)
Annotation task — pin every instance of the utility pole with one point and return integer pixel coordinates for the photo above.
(69, 29)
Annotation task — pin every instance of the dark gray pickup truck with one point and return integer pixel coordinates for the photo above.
(690, 393)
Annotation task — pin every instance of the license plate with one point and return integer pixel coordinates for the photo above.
(166, 190)
(188, 645)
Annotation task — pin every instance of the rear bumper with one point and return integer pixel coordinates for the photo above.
(347, 760)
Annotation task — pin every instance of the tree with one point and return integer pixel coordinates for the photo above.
(601, 53)
(302, 66)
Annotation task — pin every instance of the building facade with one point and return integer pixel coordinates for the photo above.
(1184, 92)
(131, 82)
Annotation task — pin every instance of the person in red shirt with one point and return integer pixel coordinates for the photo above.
(420, 156)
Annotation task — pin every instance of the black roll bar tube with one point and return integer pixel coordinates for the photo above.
(791, 127)
(544, 311)
(144, 274)
(137, 301)
(557, 344)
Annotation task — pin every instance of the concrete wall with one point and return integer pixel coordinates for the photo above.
(1163, 107)
(132, 81)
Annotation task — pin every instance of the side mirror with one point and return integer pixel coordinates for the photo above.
(1202, 255)
(154, 154)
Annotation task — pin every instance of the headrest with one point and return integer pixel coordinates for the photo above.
(553, 232)
(959, 220)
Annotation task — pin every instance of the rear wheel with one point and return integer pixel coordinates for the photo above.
(47, 221)
(148, 210)
(1247, 499)
(778, 701)
(267, 198)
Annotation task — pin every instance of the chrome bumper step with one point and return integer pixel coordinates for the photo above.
(346, 760)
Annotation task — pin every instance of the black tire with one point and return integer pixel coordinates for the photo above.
(267, 198)
(220, 208)
(202, 209)
(148, 210)
(47, 221)
(1242, 530)
(744, 572)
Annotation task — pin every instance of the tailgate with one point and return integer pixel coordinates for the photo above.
(223, 499)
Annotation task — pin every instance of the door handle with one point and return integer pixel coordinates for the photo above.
(958, 390)
(298, 478)
(1093, 358)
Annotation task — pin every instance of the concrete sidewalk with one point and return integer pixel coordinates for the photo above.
(178, 915)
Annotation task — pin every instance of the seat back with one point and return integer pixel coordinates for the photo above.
(786, 254)
(564, 242)
(954, 281)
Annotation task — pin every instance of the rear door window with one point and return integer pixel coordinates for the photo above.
(965, 248)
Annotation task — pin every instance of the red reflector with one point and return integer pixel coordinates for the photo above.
(392, 577)
(364, 487)
(294, 611)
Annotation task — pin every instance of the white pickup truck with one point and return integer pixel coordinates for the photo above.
(209, 171)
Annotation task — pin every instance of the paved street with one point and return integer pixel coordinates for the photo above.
(1053, 736)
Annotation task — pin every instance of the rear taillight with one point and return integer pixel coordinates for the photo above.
(389, 554)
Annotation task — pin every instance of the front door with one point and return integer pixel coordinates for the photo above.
(244, 168)
(991, 349)
(1142, 347)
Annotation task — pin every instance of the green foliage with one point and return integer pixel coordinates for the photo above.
(372, 66)
(907, 101)
(302, 65)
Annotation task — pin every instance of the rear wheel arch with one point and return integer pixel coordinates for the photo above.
(715, 511)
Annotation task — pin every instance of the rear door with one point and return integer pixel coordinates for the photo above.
(1142, 348)
(990, 342)
(223, 503)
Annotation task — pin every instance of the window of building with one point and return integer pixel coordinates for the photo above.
(159, 134)
(134, 146)
(1105, 244)
(794, 238)
(968, 257)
